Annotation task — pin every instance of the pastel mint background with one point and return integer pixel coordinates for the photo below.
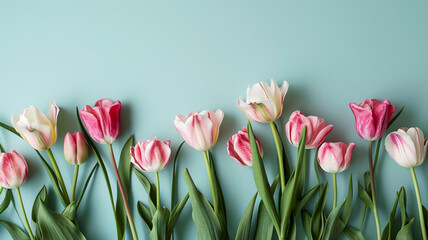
(165, 58)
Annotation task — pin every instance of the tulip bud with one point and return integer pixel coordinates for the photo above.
(13, 171)
(75, 148)
(239, 148)
(407, 146)
(151, 155)
(335, 157)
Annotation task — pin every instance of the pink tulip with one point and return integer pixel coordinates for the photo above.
(75, 148)
(316, 130)
(151, 155)
(407, 146)
(264, 102)
(36, 128)
(199, 130)
(372, 118)
(102, 121)
(335, 157)
(13, 171)
(239, 147)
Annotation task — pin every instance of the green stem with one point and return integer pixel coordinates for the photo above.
(23, 213)
(418, 198)
(157, 190)
(207, 163)
(58, 174)
(279, 152)
(1, 149)
(335, 191)
(379, 141)
(76, 173)
(373, 191)
(122, 191)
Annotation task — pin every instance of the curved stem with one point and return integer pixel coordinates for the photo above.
(76, 173)
(418, 198)
(335, 191)
(279, 152)
(122, 191)
(373, 191)
(207, 163)
(58, 174)
(23, 213)
(157, 190)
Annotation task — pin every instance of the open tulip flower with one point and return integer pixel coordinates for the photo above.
(151, 155)
(238, 147)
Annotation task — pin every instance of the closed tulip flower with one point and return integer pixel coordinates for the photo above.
(151, 155)
(13, 171)
(335, 157)
(75, 148)
(316, 130)
(199, 130)
(102, 121)
(239, 148)
(36, 128)
(264, 102)
(372, 118)
(407, 147)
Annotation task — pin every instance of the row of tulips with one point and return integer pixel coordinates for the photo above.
(200, 130)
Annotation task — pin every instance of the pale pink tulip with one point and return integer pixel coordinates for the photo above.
(75, 148)
(151, 155)
(316, 130)
(199, 130)
(335, 157)
(372, 118)
(239, 147)
(36, 128)
(102, 121)
(264, 102)
(13, 170)
(407, 146)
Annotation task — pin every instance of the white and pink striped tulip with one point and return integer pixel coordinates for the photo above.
(199, 130)
(13, 170)
(407, 147)
(151, 155)
(102, 121)
(239, 148)
(36, 128)
(75, 148)
(335, 157)
(316, 130)
(264, 102)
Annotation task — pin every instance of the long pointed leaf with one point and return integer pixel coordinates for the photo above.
(244, 227)
(348, 204)
(150, 189)
(317, 220)
(15, 232)
(160, 224)
(6, 201)
(333, 226)
(145, 214)
(175, 213)
(264, 227)
(86, 185)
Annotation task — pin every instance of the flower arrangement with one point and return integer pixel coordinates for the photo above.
(283, 206)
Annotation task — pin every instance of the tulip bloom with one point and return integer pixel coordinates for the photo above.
(335, 157)
(13, 171)
(238, 147)
(199, 130)
(151, 155)
(37, 129)
(264, 102)
(316, 130)
(102, 121)
(75, 148)
(372, 118)
(407, 147)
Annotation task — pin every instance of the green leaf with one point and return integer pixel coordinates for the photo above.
(175, 213)
(15, 232)
(364, 196)
(9, 128)
(387, 232)
(302, 202)
(264, 227)
(347, 209)
(395, 117)
(353, 234)
(6, 201)
(40, 198)
(425, 211)
(124, 173)
(317, 220)
(260, 178)
(160, 224)
(70, 211)
(333, 226)
(145, 214)
(306, 219)
(287, 172)
(150, 189)
(206, 222)
(174, 170)
(402, 199)
(86, 185)
(406, 231)
(244, 227)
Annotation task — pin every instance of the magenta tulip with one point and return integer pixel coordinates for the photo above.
(239, 148)
(102, 121)
(199, 130)
(13, 171)
(335, 157)
(372, 118)
(151, 155)
(316, 130)
(75, 148)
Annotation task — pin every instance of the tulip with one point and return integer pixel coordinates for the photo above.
(199, 130)
(372, 118)
(37, 129)
(75, 148)
(151, 155)
(13, 171)
(238, 147)
(335, 157)
(316, 130)
(102, 121)
(264, 102)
